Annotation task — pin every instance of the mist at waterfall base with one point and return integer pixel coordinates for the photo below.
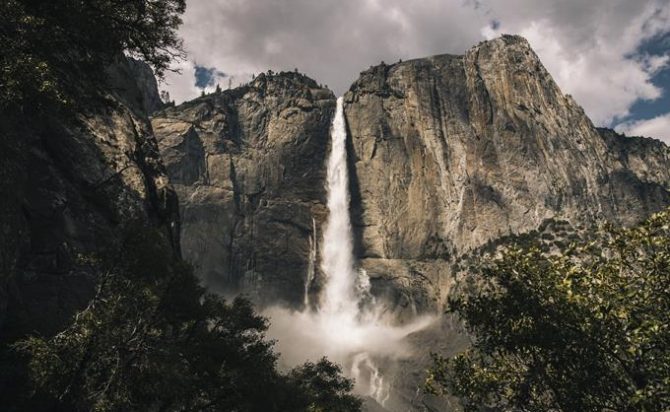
(347, 325)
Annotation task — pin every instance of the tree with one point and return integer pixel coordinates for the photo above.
(322, 388)
(584, 330)
(153, 339)
(165, 97)
(55, 52)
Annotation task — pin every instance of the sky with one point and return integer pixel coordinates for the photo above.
(612, 56)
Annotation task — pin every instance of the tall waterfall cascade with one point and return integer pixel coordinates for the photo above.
(346, 323)
(341, 294)
(345, 287)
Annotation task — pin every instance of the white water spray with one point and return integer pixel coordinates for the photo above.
(340, 306)
(362, 365)
(337, 248)
(347, 327)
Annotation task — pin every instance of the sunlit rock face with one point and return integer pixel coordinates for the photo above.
(249, 166)
(450, 152)
(445, 154)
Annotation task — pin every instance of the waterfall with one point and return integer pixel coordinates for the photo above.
(377, 388)
(337, 255)
(346, 288)
(348, 325)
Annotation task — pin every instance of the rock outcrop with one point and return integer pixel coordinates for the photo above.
(446, 154)
(68, 187)
(639, 174)
(249, 168)
(134, 82)
(451, 152)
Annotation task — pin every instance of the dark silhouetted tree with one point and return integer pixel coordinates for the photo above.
(56, 51)
(153, 339)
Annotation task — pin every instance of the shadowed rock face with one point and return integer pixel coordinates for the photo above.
(639, 174)
(68, 188)
(450, 152)
(249, 167)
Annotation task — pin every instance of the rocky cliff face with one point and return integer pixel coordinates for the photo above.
(639, 174)
(249, 165)
(68, 187)
(134, 82)
(446, 154)
(451, 152)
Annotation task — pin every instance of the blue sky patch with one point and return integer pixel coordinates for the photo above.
(207, 76)
(648, 109)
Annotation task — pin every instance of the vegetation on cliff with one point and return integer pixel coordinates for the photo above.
(587, 329)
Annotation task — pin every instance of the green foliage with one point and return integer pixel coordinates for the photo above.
(56, 51)
(152, 339)
(323, 388)
(584, 330)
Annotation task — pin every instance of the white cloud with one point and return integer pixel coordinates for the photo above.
(653, 64)
(588, 48)
(658, 127)
(330, 40)
(586, 45)
(181, 86)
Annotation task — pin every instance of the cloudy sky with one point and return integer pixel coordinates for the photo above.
(613, 56)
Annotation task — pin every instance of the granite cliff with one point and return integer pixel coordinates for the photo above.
(69, 187)
(451, 152)
(248, 165)
(446, 154)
